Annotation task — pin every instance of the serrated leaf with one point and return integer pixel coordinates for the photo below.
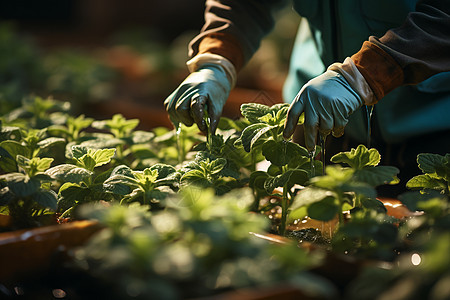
(120, 184)
(217, 165)
(429, 163)
(46, 198)
(282, 153)
(69, 173)
(122, 170)
(102, 156)
(378, 175)
(358, 158)
(253, 111)
(163, 170)
(252, 133)
(427, 182)
(77, 151)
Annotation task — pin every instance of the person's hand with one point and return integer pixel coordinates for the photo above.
(206, 89)
(327, 101)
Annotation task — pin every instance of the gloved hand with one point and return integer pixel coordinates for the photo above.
(208, 89)
(327, 101)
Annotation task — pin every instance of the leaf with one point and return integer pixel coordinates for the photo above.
(102, 156)
(51, 141)
(163, 170)
(70, 194)
(358, 158)
(217, 165)
(253, 111)
(141, 137)
(324, 210)
(359, 188)
(195, 177)
(288, 180)
(23, 187)
(15, 148)
(102, 142)
(282, 153)
(429, 163)
(310, 195)
(252, 133)
(46, 198)
(77, 151)
(120, 184)
(373, 204)
(7, 163)
(378, 175)
(426, 182)
(122, 170)
(69, 173)
(87, 162)
(257, 180)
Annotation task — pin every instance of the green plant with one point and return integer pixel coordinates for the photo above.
(80, 184)
(146, 187)
(199, 246)
(26, 195)
(291, 164)
(345, 188)
(436, 173)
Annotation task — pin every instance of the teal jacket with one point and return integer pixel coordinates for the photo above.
(331, 30)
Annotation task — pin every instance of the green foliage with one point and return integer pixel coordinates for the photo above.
(365, 163)
(436, 169)
(143, 186)
(201, 241)
(27, 194)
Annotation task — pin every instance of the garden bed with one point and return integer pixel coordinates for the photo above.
(179, 210)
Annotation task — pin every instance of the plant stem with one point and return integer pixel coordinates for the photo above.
(284, 210)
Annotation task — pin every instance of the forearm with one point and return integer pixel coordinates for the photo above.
(409, 54)
(234, 29)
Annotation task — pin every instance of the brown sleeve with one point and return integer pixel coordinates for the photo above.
(235, 28)
(381, 71)
(225, 45)
(409, 54)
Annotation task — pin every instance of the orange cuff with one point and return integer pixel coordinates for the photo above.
(225, 45)
(381, 71)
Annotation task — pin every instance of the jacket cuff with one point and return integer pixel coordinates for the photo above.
(355, 79)
(382, 73)
(225, 45)
(200, 60)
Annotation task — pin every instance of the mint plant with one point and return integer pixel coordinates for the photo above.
(80, 183)
(290, 162)
(206, 171)
(344, 188)
(145, 187)
(26, 194)
(436, 173)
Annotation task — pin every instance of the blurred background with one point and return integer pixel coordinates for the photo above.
(113, 56)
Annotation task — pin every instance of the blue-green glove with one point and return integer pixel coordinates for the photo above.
(327, 101)
(207, 89)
